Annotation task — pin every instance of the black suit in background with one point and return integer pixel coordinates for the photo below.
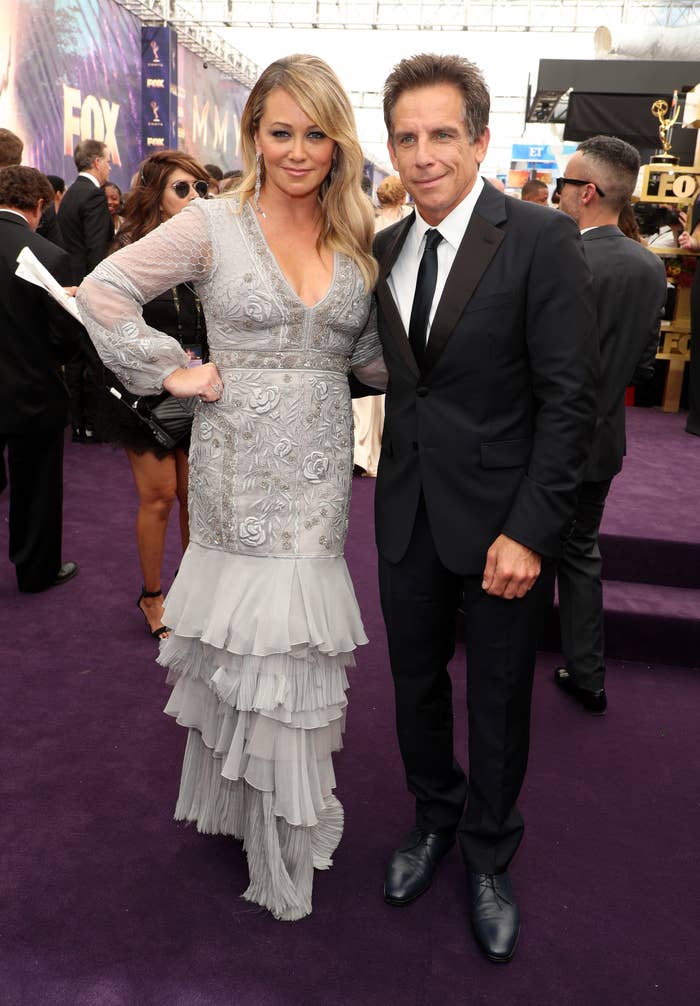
(492, 437)
(35, 336)
(48, 226)
(87, 231)
(629, 290)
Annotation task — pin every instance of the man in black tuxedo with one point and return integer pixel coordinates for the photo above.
(35, 336)
(629, 296)
(87, 230)
(485, 315)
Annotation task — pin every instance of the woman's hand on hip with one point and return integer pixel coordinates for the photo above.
(204, 381)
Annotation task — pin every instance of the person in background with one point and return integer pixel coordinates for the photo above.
(115, 204)
(36, 336)
(167, 182)
(629, 295)
(690, 240)
(86, 231)
(230, 181)
(368, 411)
(215, 178)
(535, 191)
(11, 147)
(629, 225)
(59, 188)
(391, 196)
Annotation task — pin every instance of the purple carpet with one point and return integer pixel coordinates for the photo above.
(105, 901)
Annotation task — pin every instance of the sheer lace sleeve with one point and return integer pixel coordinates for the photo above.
(367, 362)
(111, 298)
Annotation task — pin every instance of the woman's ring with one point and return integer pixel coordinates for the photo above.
(217, 388)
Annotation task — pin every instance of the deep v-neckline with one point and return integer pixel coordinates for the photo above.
(281, 273)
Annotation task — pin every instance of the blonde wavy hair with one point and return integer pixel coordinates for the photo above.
(347, 212)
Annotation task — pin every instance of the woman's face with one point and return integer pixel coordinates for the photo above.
(297, 153)
(178, 192)
(113, 199)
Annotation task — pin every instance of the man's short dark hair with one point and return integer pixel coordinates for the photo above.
(22, 188)
(214, 171)
(428, 69)
(57, 183)
(87, 152)
(531, 186)
(11, 148)
(616, 166)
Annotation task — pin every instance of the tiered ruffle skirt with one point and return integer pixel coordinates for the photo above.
(257, 658)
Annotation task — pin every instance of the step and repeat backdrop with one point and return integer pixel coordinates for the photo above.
(90, 70)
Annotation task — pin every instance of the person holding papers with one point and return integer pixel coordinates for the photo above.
(36, 336)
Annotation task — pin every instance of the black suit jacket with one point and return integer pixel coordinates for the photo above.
(630, 293)
(86, 226)
(497, 428)
(36, 335)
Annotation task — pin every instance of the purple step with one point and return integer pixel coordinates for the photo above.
(644, 622)
(669, 562)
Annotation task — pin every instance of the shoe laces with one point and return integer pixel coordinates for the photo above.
(487, 881)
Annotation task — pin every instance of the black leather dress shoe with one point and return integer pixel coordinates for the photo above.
(67, 571)
(411, 868)
(494, 914)
(593, 702)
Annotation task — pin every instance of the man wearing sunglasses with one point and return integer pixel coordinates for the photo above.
(630, 293)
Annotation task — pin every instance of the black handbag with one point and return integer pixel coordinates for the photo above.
(169, 421)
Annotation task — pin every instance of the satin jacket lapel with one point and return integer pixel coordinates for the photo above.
(480, 243)
(390, 311)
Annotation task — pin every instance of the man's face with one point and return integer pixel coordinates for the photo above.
(539, 195)
(102, 167)
(431, 150)
(570, 196)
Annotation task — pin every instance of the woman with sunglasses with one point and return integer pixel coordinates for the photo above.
(166, 183)
(263, 615)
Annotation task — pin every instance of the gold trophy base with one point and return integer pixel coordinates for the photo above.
(661, 157)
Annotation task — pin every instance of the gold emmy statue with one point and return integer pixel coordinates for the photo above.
(659, 109)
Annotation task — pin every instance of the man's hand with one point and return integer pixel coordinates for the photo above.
(511, 568)
(204, 381)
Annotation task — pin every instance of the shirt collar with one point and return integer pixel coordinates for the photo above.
(17, 214)
(455, 223)
(86, 174)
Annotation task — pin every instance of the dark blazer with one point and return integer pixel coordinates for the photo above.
(497, 428)
(86, 226)
(36, 335)
(48, 226)
(630, 294)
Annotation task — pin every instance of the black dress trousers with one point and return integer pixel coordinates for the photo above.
(420, 599)
(35, 465)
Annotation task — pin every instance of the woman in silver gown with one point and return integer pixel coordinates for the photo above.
(263, 615)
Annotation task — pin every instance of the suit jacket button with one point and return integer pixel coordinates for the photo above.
(414, 445)
(421, 391)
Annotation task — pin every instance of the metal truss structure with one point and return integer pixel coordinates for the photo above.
(199, 23)
(196, 34)
(443, 15)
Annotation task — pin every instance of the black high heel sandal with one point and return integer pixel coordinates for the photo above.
(162, 629)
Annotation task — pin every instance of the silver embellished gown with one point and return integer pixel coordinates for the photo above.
(263, 614)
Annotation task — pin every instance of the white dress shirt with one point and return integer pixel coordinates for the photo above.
(86, 174)
(403, 276)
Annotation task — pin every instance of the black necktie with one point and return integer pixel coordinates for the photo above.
(423, 297)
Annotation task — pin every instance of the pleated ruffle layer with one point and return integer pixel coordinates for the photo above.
(257, 657)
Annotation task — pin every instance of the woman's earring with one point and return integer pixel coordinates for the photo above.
(258, 184)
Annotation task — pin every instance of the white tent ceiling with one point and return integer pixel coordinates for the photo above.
(362, 39)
